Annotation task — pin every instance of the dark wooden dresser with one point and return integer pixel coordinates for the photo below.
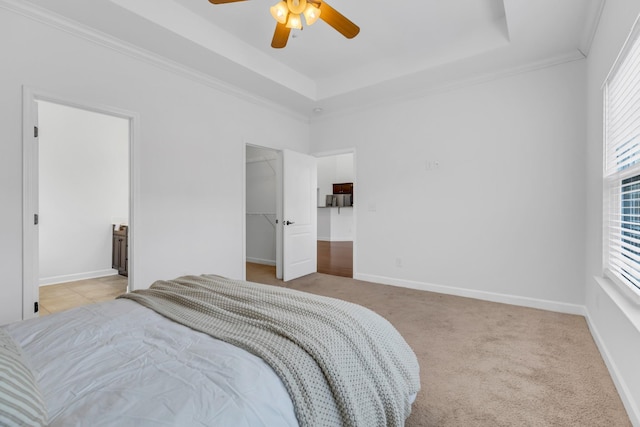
(120, 250)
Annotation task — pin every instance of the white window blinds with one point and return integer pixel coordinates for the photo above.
(622, 166)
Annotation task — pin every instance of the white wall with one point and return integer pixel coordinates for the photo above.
(84, 183)
(502, 217)
(261, 210)
(190, 214)
(326, 174)
(614, 321)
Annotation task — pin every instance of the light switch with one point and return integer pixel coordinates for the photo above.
(431, 164)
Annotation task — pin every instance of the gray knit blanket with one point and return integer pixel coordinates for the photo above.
(342, 364)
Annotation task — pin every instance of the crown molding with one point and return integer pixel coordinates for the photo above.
(594, 13)
(92, 35)
(455, 85)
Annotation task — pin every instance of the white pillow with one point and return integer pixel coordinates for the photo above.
(21, 402)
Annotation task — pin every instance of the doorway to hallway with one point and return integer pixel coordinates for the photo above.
(335, 258)
(336, 218)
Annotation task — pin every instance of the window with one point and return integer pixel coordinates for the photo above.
(622, 166)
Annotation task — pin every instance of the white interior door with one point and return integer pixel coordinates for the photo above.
(299, 216)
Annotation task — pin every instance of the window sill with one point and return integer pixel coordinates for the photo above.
(624, 298)
(632, 295)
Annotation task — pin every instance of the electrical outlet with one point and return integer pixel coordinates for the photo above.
(399, 262)
(430, 165)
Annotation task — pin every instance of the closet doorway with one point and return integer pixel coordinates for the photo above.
(335, 225)
(261, 206)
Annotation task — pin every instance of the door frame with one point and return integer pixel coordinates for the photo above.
(30, 190)
(351, 150)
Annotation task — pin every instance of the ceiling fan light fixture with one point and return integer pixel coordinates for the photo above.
(288, 14)
(297, 6)
(280, 11)
(311, 14)
(294, 21)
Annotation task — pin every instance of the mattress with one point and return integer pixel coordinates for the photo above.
(118, 363)
(341, 363)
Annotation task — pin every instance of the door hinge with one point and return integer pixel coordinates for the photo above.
(35, 307)
(35, 219)
(35, 131)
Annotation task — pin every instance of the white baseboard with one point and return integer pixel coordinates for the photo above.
(335, 239)
(45, 281)
(629, 404)
(559, 307)
(261, 261)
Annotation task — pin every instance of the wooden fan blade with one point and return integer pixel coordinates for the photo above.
(280, 36)
(338, 21)
(223, 1)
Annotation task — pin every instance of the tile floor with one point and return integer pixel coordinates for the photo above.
(63, 296)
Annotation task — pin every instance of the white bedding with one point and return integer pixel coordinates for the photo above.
(120, 364)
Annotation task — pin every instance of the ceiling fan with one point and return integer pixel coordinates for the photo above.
(288, 13)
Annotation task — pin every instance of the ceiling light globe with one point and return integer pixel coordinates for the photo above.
(311, 14)
(280, 11)
(294, 21)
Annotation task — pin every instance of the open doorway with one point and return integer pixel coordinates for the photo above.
(332, 239)
(83, 197)
(261, 205)
(263, 250)
(336, 226)
(283, 182)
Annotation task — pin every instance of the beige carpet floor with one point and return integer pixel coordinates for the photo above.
(484, 363)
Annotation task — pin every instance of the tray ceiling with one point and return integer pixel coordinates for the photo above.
(402, 49)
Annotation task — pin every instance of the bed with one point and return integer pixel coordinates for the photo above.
(208, 351)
